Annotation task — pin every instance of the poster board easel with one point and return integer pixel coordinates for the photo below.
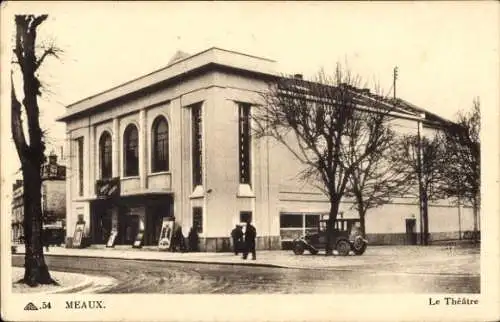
(166, 232)
(78, 235)
(111, 239)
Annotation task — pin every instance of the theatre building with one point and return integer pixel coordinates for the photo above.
(177, 142)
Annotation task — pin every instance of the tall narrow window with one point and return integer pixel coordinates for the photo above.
(105, 155)
(79, 143)
(160, 145)
(245, 216)
(197, 144)
(244, 143)
(131, 151)
(198, 219)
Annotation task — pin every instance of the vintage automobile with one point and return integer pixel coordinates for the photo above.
(346, 237)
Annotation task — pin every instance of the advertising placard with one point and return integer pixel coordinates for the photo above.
(167, 228)
(112, 238)
(78, 235)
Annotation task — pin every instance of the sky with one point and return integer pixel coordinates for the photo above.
(446, 52)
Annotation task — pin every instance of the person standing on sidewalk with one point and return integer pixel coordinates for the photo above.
(250, 235)
(237, 236)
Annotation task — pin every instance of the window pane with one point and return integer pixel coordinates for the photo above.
(245, 216)
(244, 143)
(198, 219)
(291, 221)
(197, 144)
(105, 145)
(80, 166)
(160, 145)
(131, 151)
(312, 221)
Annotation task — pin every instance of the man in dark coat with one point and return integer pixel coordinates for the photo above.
(237, 236)
(250, 235)
(177, 240)
(194, 239)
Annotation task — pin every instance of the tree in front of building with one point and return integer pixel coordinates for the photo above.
(323, 124)
(31, 147)
(462, 172)
(422, 160)
(375, 181)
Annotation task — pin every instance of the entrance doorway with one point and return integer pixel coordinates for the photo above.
(128, 229)
(100, 223)
(155, 212)
(411, 231)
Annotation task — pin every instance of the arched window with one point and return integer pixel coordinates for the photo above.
(159, 151)
(105, 155)
(131, 151)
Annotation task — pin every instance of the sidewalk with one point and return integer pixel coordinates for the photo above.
(68, 283)
(441, 259)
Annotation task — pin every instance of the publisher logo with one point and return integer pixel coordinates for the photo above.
(30, 307)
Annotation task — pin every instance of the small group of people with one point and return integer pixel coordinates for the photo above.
(178, 242)
(244, 241)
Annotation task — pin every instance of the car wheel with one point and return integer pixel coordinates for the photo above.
(343, 247)
(359, 246)
(298, 248)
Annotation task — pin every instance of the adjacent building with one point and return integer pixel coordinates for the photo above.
(53, 198)
(177, 142)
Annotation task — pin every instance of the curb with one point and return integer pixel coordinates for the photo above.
(75, 288)
(188, 261)
(177, 261)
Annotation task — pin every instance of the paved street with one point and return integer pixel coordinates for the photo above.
(455, 273)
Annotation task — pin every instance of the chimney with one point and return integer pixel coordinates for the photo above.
(52, 159)
(298, 76)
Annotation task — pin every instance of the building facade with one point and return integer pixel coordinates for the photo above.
(177, 142)
(53, 199)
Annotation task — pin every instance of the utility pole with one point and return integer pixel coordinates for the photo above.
(394, 78)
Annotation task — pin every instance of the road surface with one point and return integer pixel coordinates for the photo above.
(135, 276)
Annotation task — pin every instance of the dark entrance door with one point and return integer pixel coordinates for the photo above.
(100, 223)
(129, 227)
(411, 231)
(156, 210)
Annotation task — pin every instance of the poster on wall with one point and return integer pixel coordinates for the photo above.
(112, 238)
(167, 228)
(78, 235)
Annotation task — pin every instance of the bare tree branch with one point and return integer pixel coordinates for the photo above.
(17, 123)
(329, 125)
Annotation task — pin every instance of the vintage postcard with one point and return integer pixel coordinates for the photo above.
(249, 161)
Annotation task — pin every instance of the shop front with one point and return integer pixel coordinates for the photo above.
(124, 220)
(127, 217)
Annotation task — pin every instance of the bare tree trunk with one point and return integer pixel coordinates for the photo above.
(31, 155)
(334, 210)
(362, 222)
(475, 209)
(425, 205)
(36, 271)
